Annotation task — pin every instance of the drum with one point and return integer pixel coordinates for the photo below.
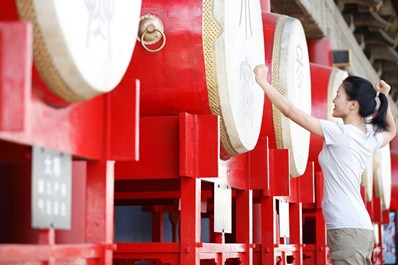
(394, 174)
(325, 81)
(202, 63)
(367, 181)
(287, 59)
(382, 175)
(82, 48)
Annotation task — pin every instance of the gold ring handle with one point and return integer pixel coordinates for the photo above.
(150, 31)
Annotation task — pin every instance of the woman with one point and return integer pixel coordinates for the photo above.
(346, 151)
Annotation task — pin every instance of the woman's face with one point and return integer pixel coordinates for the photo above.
(341, 103)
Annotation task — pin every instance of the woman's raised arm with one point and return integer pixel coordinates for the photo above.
(283, 104)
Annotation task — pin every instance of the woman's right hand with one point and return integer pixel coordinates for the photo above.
(383, 87)
(261, 72)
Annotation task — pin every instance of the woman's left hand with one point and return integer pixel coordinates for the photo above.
(383, 87)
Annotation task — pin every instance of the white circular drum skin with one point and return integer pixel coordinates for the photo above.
(291, 76)
(367, 181)
(382, 175)
(82, 48)
(237, 50)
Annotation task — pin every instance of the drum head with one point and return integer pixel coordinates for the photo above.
(367, 181)
(382, 174)
(233, 45)
(291, 76)
(82, 48)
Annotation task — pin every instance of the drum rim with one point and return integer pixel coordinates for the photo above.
(278, 120)
(230, 138)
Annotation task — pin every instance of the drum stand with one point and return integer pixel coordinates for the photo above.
(315, 250)
(275, 190)
(379, 218)
(179, 161)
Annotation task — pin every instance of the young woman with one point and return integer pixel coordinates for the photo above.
(346, 151)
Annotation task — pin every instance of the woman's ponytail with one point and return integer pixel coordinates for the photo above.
(379, 120)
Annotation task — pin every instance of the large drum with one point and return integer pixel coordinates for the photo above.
(82, 48)
(210, 49)
(287, 58)
(367, 181)
(394, 174)
(325, 81)
(382, 175)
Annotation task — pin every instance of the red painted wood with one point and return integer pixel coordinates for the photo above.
(320, 51)
(43, 254)
(296, 221)
(130, 252)
(15, 74)
(190, 220)
(244, 221)
(318, 189)
(174, 146)
(279, 172)
(377, 211)
(307, 184)
(268, 238)
(78, 225)
(233, 171)
(322, 251)
(394, 174)
(99, 207)
(259, 162)
(123, 110)
(199, 145)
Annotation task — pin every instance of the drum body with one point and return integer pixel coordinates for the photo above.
(287, 59)
(206, 66)
(394, 174)
(325, 81)
(82, 48)
(382, 175)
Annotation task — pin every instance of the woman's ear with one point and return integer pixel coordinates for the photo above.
(354, 104)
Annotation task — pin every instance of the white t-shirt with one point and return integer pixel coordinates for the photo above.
(346, 152)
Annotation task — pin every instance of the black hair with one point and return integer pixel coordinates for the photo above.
(361, 90)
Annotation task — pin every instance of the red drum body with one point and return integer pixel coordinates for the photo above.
(394, 174)
(81, 48)
(287, 59)
(206, 66)
(325, 81)
(382, 175)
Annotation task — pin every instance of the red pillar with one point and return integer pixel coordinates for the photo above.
(295, 219)
(268, 230)
(99, 202)
(190, 220)
(244, 221)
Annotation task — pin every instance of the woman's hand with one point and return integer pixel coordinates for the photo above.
(261, 72)
(383, 87)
